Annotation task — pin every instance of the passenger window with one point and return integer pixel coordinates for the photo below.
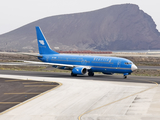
(127, 63)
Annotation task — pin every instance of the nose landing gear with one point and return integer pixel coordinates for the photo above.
(125, 75)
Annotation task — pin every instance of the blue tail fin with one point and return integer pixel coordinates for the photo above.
(42, 43)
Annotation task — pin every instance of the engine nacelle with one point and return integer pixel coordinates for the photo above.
(79, 70)
(107, 73)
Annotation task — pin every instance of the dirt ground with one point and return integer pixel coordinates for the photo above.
(13, 57)
(145, 61)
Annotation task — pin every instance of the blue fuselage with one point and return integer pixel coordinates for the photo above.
(97, 63)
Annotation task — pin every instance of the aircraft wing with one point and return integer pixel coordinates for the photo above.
(56, 64)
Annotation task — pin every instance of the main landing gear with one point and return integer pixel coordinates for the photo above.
(72, 74)
(90, 73)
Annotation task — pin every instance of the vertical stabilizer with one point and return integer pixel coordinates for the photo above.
(43, 44)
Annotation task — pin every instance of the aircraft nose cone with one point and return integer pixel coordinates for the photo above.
(134, 67)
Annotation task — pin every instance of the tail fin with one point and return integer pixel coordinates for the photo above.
(42, 43)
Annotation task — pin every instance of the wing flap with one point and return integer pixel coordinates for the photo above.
(56, 64)
(46, 63)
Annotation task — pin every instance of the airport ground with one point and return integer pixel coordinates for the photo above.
(138, 59)
(149, 65)
(15, 91)
(102, 97)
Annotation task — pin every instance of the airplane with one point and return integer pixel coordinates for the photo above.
(79, 64)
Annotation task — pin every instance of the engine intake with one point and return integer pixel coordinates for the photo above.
(79, 70)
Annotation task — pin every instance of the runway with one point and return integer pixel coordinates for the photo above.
(98, 77)
(101, 97)
(149, 67)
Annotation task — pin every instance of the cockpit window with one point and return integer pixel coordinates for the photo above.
(127, 63)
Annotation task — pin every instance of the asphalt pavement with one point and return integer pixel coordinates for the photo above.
(97, 77)
(15, 91)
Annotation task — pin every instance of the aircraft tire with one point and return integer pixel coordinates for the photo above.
(90, 73)
(125, 76)
(72, 74)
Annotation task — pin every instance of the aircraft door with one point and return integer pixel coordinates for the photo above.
(119, 64)
(47, 59)
(83, 62)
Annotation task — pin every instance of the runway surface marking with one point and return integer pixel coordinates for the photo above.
(19, 93)
(12, 80)
(22, 103)
(39, 85)
(156, 84)
(10, 102)
(36, 82)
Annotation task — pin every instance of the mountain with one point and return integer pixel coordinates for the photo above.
(118, 27)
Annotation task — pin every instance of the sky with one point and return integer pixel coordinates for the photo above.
(16, 13)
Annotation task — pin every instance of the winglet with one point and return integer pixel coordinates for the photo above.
(42, 43)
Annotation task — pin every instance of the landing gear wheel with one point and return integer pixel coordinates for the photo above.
(90, 74)
(72, 74)
(125, 76)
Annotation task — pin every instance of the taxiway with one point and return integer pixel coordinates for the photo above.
(85, 98)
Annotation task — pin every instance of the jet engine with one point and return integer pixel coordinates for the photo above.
(79, 70)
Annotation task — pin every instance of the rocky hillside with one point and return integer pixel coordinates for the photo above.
(118, 27)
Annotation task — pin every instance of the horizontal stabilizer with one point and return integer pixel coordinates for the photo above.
(29, 54)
